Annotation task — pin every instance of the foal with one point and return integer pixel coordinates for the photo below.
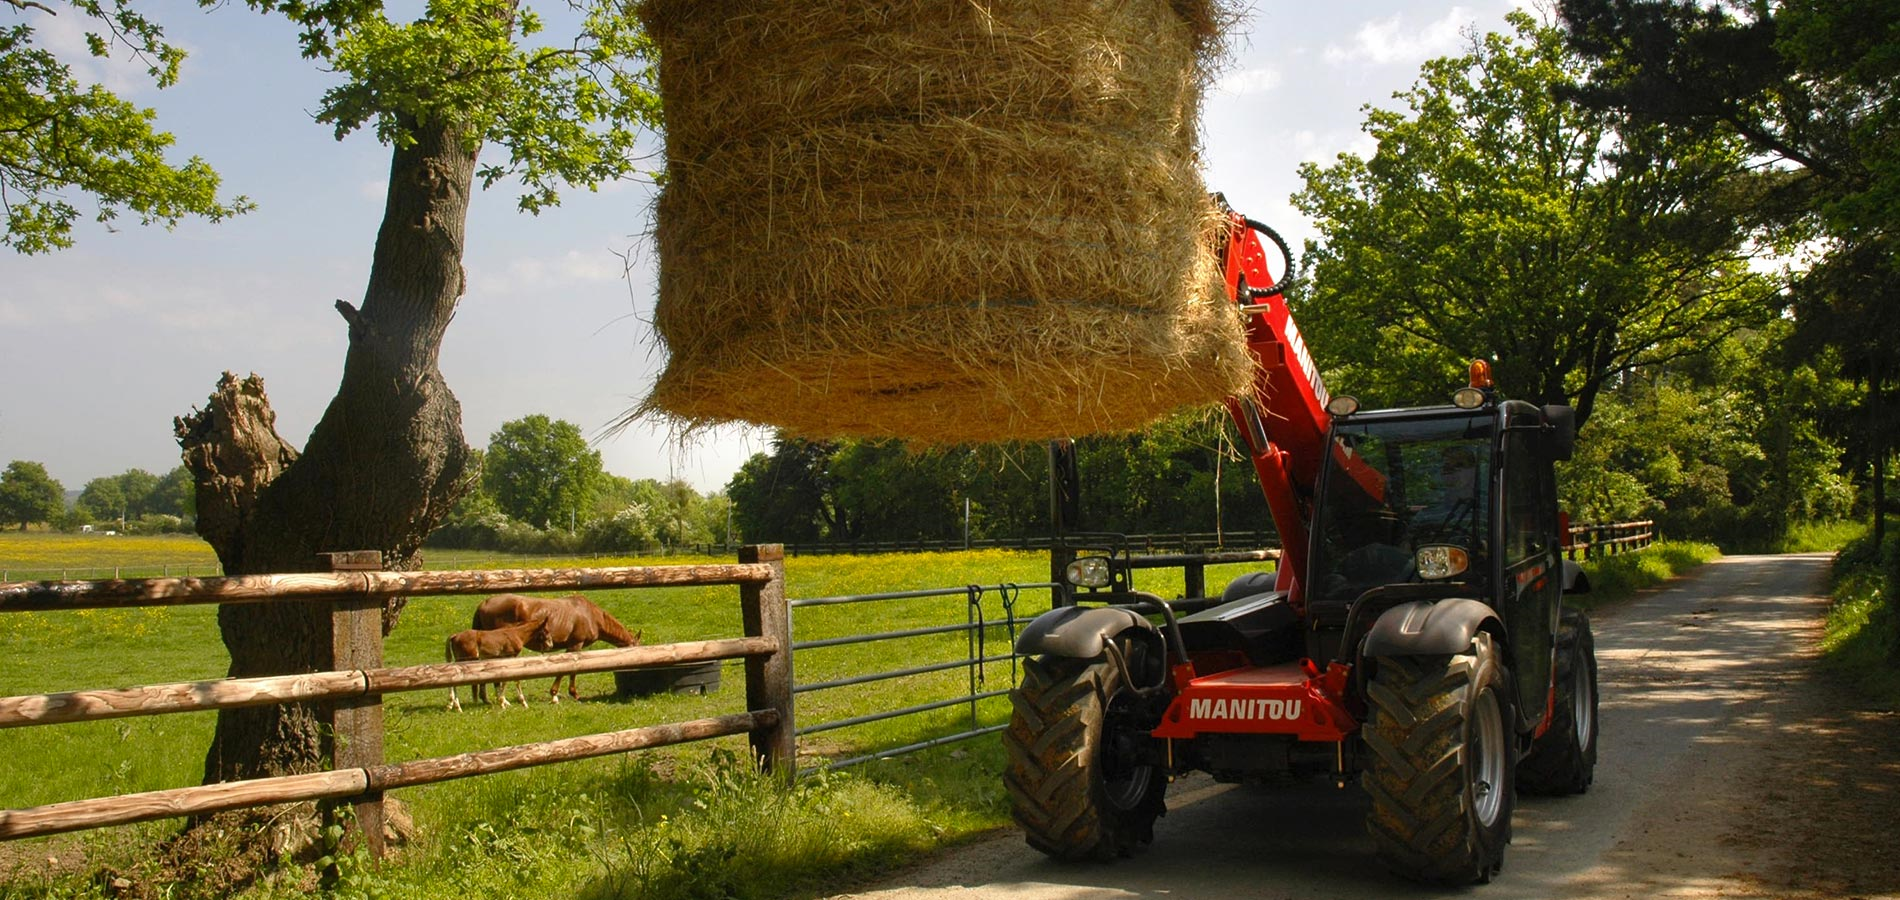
(494, 643)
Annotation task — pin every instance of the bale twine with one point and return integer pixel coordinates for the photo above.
(941, 220)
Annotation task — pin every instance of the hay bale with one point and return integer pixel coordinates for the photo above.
(942, 220)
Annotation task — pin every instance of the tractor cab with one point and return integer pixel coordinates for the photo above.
(1440, 503)
(1404, 497)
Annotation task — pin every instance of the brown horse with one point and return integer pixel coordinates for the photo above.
(496, 643)
(571, 623)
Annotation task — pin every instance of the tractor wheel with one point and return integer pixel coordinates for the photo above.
(1078, 784)
(1564, 759)
(1440, 761)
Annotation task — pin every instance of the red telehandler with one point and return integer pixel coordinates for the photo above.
(1412, 637)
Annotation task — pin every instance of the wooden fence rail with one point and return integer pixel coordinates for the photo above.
(231, 693)
(1592, 541)
(329, 586)
(354, 687)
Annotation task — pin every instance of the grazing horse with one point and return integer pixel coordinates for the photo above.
(494, 643)
(571, 623)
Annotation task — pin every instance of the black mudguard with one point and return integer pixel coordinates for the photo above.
(1429, 628)
(1076, 632)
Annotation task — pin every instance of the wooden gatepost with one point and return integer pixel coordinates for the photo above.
(356, 723)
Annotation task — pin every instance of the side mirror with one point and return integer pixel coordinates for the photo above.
(1563, 431)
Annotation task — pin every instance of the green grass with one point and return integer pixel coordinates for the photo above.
(1862, 637)
(1820, 537)
(47, 556)
(1615, 578)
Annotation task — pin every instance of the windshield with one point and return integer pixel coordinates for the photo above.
(1391, 487)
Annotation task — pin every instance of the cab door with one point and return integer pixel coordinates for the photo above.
(1531, 586)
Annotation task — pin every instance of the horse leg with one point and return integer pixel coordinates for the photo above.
(573, 690)
(554, 690)
(455, 702)
(523, 698)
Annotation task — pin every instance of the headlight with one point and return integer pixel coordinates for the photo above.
(1437, 561)
(1088, 572)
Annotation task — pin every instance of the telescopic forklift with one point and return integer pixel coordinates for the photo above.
(1412, 637)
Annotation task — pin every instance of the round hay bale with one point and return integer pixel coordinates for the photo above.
(941, 220)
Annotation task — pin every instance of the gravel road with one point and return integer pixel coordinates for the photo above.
(1729, 768)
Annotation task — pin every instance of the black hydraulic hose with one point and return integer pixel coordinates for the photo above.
(1278, 287)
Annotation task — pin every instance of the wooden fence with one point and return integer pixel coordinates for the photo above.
(354, 686)
(1592, 541)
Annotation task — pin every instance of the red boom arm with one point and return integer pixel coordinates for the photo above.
(1283, 420)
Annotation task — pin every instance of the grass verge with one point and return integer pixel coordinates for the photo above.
(1615, 578)
(1862, 639)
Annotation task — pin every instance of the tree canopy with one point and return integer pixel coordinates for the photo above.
(58, 135)
(1496, 221)
(1181, 475)
(1813, 86)
(541, 471)
(28, 494)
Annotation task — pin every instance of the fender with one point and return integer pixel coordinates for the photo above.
(1575, 582)
(1076, 632)
(1429, 628)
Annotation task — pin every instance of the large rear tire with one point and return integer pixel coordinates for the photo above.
(1440, 766)
(1079, 784)
(1564, 759)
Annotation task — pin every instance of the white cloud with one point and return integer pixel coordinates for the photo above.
(532, 274)
(1392, 41)
(65, 36)
(377, 190)
(1249, 81)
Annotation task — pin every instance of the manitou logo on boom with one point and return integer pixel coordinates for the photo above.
(1306, 362)
(1266, 710)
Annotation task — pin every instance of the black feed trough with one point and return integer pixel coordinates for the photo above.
(684, 678)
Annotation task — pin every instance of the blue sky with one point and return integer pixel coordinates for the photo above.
(106, 342)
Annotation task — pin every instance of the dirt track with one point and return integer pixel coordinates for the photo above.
(1730, 767)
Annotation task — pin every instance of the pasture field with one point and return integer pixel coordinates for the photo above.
(680, 822)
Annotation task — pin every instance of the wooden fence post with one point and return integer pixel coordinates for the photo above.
(356, 642)
(768, 680)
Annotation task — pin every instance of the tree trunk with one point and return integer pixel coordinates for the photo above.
(381, 470)
(1878, 434)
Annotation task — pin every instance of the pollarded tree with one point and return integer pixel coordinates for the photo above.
(29, 494)
(385, 463)
(1498, 221)
(59, 135)
(541, 471)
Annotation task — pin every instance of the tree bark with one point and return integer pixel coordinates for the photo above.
(382, 467)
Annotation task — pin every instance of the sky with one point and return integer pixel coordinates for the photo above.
(104, 343)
